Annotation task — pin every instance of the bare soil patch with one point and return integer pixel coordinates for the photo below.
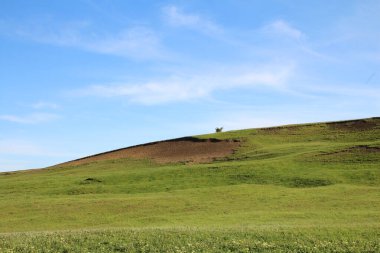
(364, 149)
(353, 125)
(187, 149)
(288, 130)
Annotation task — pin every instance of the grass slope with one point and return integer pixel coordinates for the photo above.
(314, 187)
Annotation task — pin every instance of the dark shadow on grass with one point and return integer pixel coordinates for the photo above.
(298, 182)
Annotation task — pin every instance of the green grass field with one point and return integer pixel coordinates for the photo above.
(299, 188)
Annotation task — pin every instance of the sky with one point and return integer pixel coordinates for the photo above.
(79, 77)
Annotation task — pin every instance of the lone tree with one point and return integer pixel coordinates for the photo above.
(218, 129)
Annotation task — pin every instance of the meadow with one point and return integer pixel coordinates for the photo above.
(297, 188)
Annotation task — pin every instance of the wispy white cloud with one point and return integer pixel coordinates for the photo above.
(178, 18)
(193, 86)
(33, 118)
(45, 105)
(284, 38)
(189, 87)
(151, 92)
(137, 42)
(283, 28)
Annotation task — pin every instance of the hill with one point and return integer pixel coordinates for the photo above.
(309, 186)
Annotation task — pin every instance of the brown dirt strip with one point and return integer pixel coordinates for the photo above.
(364, 149)
(353, 125)
(187, 149)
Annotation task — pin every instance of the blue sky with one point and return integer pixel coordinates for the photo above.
(78, 77)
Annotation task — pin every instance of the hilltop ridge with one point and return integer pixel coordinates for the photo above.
(206, 148)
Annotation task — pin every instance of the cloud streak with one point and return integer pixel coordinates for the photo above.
(45, 105)
(192, 86)
(34, 118)
(137, 42)
(283, 28)
(178, 18)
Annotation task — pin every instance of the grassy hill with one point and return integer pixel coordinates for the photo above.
(301, 188)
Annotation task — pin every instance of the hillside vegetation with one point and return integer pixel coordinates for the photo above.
(310, 188)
